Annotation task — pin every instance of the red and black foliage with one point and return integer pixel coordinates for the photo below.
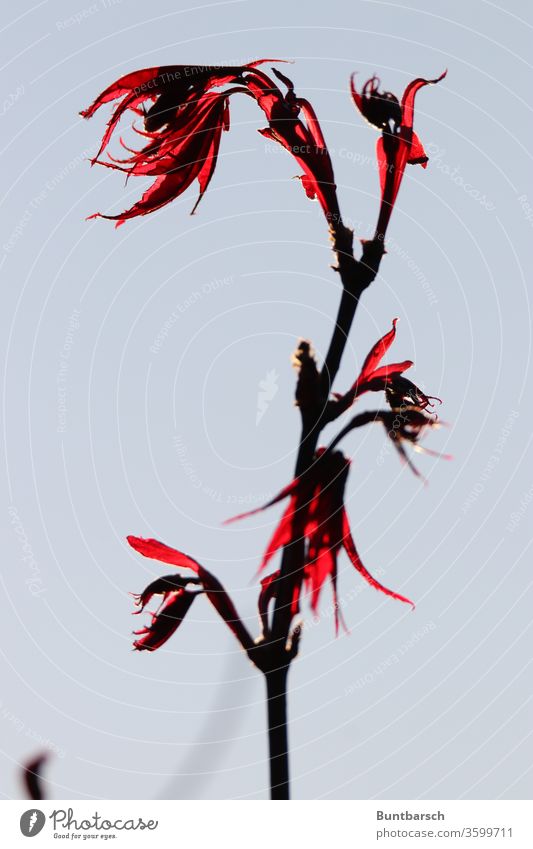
(407, 420)
(388, 378)
(303, 138)
(175, 604)
(398, 144)
(177, 599)
(184, 118)
(185, 110)
(316, 513)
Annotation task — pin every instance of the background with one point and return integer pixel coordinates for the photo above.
(147, 389)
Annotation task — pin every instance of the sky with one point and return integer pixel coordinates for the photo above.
(147, 389)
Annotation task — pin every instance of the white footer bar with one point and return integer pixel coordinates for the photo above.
(270, 825)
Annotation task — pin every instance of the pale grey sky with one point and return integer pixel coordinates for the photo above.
(115, 425)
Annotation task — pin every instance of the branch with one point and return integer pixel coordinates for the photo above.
(356, 276)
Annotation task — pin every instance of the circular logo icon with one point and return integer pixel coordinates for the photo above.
(32, 822)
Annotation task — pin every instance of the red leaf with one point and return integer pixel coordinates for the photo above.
(284, 493)
(159, 551)
(351, 551)
(268, 592)
(377, 352)
(417, 154)
(356, 97)
(384, 372)
(214, 590)
(165, 622)
(282, 535)
(408, 99)
(161, 586)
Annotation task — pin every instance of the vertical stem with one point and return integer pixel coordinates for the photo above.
(355, 276)
(276, 686)
(293, 553)
(345, 317)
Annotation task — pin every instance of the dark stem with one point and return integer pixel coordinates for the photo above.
(355, 276)
(276, 686)
(343, 324)
(314, 421)
(33, 779)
